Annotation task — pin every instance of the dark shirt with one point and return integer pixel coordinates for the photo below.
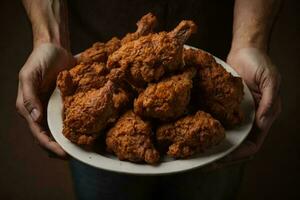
(99, 20)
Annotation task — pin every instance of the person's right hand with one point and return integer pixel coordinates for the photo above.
(36, 81)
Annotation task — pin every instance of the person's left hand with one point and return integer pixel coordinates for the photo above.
(263, 80)
(36, 83)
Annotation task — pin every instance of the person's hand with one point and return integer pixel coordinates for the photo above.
(36, 81)
(263, 79)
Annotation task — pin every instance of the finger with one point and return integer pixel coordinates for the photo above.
(19, 103)
(40, 136)
(44, 140)
(266, 105)
(262, 134)
(257, 98)
(250, 147)
(31, 100)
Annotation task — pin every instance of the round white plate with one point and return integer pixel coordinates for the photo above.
(234, 138)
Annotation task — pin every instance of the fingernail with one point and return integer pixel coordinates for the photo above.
(35, 114)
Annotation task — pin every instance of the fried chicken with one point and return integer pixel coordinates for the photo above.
(81, 78)
(147, 58)
(65, 83)
(99, 52)
(219, 92)
(87, 76)
(169, 84)
(144, 26)
(90, 101)
(88, 113)
(166, 99)
(122, 97)
(131, 139)
(189, 135)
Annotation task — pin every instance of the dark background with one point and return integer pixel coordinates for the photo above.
(26, 172)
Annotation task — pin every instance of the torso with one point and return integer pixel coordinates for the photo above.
(101, 20)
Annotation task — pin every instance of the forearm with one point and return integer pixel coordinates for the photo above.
(253, 20)
(49, 20)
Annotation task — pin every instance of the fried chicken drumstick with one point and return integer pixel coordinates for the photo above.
(147, 58)
(220, 93)
(99, 52)
(131, 139)
(189, 135)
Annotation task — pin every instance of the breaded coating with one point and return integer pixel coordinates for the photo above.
(83, 89)
(219, 92)
(65, 83)
(145, 91)
(148, 58)
(121, 98)
(81, 78)
(131, 139)
(86, 76)
(167, 99)
(88, 114)
(89, 75)
(99, 52)
(144, 26)
(190, 134)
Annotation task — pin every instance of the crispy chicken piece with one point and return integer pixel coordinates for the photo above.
(144, 26)
(121, 98)
(81, 78)
(99, 52)
(82, 89)
(220, 93)
(88, 113)
(87, 76)
(65, 83)
(167, 99)
(189, 135)
(131, 139)
(149, 57)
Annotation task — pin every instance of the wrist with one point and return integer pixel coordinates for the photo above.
(53, 32)
(255, 41)
(258, 44)
(43, 35)
(49, 22)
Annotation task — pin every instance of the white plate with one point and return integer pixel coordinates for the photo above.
(234, 138)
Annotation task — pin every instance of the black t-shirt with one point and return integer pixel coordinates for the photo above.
(99, 20)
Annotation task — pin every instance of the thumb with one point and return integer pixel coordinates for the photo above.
(266, 105)
(31, 100)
